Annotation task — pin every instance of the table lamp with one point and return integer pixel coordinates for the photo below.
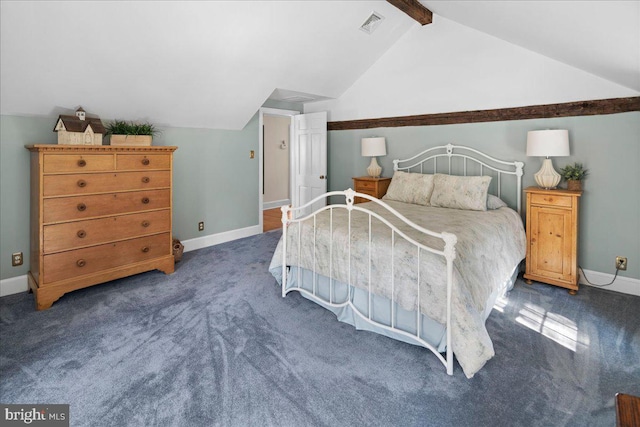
(548, 143)
(372, 147)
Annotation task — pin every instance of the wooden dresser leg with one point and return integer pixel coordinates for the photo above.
(573, 292)
(528, 281)
(43, 305)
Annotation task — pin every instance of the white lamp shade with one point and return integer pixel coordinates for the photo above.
(548, 143)
(372, 147)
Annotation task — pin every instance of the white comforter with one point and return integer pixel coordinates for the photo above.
(490, 244)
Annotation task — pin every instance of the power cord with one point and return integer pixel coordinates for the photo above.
(599, 286)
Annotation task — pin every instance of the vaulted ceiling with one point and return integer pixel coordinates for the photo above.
(212, 64)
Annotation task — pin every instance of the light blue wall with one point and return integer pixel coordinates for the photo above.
(608, 145)
(214, 181)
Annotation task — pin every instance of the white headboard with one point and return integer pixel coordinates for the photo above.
(466, 161)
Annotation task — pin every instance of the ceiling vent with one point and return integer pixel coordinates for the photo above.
(372, 22)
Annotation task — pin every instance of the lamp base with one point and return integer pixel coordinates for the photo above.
(374, 170)
(547, 177)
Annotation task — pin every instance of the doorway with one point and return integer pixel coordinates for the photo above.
(275, 128)
(307, 156)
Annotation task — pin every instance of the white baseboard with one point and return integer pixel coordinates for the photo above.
(626, 285)
(216, 239)
(275, 204)
(14, 285)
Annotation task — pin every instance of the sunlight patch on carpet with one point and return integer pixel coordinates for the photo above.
(557, 328)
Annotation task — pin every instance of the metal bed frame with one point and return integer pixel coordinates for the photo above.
(448, 153)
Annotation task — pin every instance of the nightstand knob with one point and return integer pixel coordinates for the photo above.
(145, 249)
(81, 263)
(145, 223)
(146, 179)
(82, 163)
(145, 200)
(145, 162)
(81, 234)
(82, 207)
(82, 183)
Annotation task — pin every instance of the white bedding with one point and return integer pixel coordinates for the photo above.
(490, 244)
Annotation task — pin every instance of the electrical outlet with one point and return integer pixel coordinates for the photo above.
(16, 259)
(621, 263)
(201, 226)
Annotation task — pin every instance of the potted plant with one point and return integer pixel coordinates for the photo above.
(574, 174)
(129, 133)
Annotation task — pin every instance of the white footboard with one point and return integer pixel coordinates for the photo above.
(448, 253)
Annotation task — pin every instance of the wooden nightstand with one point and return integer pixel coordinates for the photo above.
(374, 187)
(552, 237)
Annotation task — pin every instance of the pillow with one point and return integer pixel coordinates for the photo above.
(413, 188)
(494, 202)
(460, 192)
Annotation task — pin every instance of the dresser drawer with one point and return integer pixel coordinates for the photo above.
(70, 235)
(78, 162)
(143, 161)
(551, 200)
(83, 207)
(71, 264)
(61, 185)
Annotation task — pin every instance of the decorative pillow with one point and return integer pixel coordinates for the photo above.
(413, 188)
(494, 202)
(460, 192)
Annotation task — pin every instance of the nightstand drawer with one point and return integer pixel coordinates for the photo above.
(371, 193)
(551, 200)
(363, 186)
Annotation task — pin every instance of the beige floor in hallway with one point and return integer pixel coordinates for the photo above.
(271, 219)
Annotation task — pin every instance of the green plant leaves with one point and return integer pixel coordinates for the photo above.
(575, 172)
(121, 127)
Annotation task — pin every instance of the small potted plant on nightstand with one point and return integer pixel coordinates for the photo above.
(574, 174)
(130, 133)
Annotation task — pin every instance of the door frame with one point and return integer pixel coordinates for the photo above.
(270, 112)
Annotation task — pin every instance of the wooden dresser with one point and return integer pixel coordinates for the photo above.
(552, 237)
(374, 187)
(98, 213)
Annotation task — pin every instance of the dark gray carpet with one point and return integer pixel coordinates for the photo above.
(215, 344)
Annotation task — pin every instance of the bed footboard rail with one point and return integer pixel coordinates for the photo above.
(448, 252)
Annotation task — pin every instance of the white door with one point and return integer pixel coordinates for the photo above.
(309, 155)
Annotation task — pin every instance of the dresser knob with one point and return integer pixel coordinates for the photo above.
(81, 234)
(82, 207)
(82, 183)
(145, 161)
(145, 249)
(81, 263)
(82, 163)
(145, 223)
(145, 200)
(146, 179)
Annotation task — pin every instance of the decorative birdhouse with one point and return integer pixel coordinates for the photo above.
(79, 129)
